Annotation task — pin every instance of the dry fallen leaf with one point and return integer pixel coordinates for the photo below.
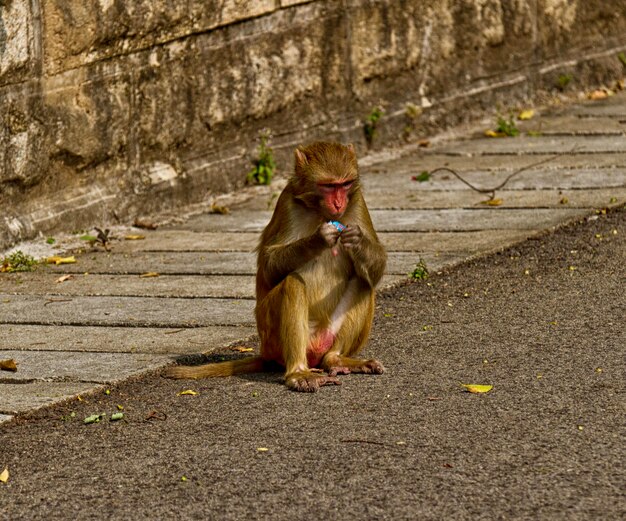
(4, 475)
(242, 349)
(8, 365)
(492, 202)
(149, 274)
(424, 143)
(476, 388)
(56, 259)
(526, 114)
(493, 133)
(598, 94)
(135, 237)
(145, 224)
(262, 449)
(64, 278)
(187, 391)
(221, 210)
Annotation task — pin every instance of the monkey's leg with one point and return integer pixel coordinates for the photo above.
(284, 313)
(354, 327)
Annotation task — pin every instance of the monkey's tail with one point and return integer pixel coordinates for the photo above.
(254, 364)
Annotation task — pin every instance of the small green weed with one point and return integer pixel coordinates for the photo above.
(563, 81)
(370, 125)
(264, 165)
(18, 261)
(103, 238)
(622, 57)
(420, 272)
(507, 126)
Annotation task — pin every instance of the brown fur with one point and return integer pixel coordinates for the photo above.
(315, 288)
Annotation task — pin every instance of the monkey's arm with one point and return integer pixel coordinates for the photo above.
(361, 242)
(368, 255)
(279, 260)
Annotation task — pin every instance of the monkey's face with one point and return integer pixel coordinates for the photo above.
(335, 196)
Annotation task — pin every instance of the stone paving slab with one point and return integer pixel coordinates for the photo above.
(474, 219)
(545, 145)
(572, 125)
(580, 198)
(183, 240)
(25, 397)
(125, 311)
(239, 263)
(449, 219)
(77, 366)
(164, 263)
(613, 108)
(160, 341)
(239, 287)
(44, 283)
(427, 159)
(536, 179)
(452, 242)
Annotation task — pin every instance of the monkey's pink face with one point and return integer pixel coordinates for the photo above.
(335, 197)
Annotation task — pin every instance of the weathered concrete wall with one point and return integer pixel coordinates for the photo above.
(114, 108)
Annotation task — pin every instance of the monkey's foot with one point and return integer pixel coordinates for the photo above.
(309, 381)
(368, 367)
(344, 365)
(334, 371)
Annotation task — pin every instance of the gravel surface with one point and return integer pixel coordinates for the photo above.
(544, 323)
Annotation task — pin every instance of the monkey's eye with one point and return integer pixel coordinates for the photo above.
(330, 187)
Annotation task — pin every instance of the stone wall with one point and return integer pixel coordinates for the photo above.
(110, 109)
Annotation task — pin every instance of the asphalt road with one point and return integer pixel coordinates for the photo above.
(544, 323)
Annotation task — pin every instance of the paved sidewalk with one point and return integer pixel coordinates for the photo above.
(107, 323)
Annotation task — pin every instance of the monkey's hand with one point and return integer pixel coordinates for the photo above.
(329, 234)
(352, 237)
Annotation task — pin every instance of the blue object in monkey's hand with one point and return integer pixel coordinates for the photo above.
(337, 225)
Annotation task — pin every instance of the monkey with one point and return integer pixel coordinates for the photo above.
(319, 261)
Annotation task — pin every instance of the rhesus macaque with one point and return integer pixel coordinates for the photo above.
(315, 284)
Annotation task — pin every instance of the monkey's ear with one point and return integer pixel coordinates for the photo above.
(350, 148)
(301, 159)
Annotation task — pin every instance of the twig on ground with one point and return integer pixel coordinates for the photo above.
(492, 191)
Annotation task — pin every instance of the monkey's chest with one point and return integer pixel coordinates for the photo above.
(326, 278)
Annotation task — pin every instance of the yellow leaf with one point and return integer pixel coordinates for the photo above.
(492, 202)
(188, 391)
(149, 274)
(493, 133)
(56, 259)
(8, 365)
(216, 208)
(476, 388)
(526, 114)
(242, 349)
(135, 237)
(262, 449)
(4, 475)
(598, 94)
